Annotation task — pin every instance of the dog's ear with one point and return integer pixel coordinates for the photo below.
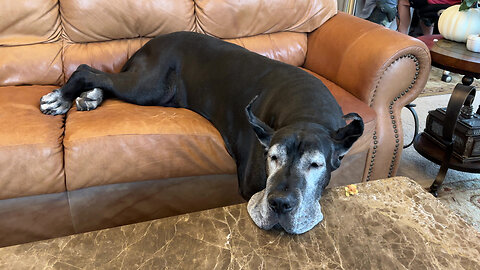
(263, 131)
(345, 137)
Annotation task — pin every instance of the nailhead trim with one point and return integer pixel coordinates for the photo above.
(395, 130)
(394, 124)
(372, 161)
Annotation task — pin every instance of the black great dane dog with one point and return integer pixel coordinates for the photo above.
(282, 126)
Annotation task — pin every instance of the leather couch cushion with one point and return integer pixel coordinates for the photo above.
(29, 21)
(125, 18)
(120, 142)
(33, 64)
(31, 153)
(223, 19)
(110, 56)
(52, 30)
(233, 18)
(287, 47)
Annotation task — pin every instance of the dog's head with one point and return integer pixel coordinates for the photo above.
(299, 160)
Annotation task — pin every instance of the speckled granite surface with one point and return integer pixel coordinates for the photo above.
(390, 224)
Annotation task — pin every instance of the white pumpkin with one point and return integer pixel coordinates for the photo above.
(458, 25)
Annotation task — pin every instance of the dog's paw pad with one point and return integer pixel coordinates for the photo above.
(89, 100)
(54, 104)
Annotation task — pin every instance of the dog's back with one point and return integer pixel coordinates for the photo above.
(211, 75)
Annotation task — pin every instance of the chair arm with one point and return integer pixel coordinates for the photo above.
(383, 68)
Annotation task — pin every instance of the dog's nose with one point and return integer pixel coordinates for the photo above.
(281, 203)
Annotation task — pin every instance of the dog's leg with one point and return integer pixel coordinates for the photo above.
(53, 103)
(141, 86)
(89, 100)
(86, 80)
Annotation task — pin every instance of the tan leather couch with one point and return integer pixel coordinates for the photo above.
(123, 163)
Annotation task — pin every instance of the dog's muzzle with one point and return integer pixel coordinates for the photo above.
(296, 213)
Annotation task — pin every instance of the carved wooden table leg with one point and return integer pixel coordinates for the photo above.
(460, 97)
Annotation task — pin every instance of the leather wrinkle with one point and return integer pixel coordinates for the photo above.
(56, 35)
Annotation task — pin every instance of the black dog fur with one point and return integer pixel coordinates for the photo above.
(218, 80)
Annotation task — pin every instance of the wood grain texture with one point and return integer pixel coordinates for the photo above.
(452, 56)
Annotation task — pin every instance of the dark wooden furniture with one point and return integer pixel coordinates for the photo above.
(454, 57)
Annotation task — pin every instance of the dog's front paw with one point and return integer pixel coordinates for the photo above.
(54, 104)
(89, 100)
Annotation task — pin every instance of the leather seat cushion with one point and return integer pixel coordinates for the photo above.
(31, 154)
(116, 143)
(120, 142)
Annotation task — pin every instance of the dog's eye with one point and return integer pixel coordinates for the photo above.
(274, 158)
(314, 165)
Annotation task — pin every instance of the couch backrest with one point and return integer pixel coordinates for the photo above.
(43, 41)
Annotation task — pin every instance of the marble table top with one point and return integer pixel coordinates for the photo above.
(389, 224)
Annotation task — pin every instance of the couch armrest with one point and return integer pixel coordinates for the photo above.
(381, 67)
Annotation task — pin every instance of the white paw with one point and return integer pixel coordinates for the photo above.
(89, 100)
(54, 104)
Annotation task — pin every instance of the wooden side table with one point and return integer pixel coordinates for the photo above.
(454, 57)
